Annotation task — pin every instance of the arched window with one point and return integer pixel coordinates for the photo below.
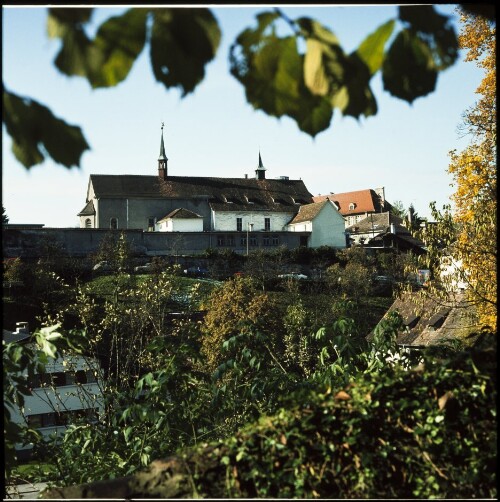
(113, 223)
(88, 223)
(352, 206)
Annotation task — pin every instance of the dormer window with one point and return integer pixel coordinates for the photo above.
(352, 206)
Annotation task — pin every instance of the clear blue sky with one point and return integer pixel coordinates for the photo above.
(215, 132)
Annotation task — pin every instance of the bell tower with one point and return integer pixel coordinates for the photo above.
(260, 172)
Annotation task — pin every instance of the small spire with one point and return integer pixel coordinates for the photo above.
(162, 146)
(260, 171)
(261, 165)
(162, 159)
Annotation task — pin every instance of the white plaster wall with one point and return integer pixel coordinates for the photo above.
(305, 226)
(181, 225)
(328, 228)
(187, 225)
(225, 221)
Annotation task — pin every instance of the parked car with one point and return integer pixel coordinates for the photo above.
(102, 266)
(293, 276)
(196, 271)
(148, 267)
(384, 279)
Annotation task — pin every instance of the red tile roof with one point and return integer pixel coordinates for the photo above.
(365, 201)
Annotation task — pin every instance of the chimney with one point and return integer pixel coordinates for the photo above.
(381, 194)
(246, 176)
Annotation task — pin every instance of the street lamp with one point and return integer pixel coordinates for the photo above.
(248, 228)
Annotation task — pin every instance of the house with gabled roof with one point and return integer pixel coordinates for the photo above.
(384, 230)
(222, 204)
(357, 205)
(324, 222)
(180, 220)
(224, 212)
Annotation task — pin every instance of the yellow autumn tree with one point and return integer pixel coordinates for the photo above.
(231, 306)
(474, 175)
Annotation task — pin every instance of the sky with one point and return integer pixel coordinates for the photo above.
(215, 132)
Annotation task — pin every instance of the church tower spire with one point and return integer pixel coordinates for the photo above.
(260, 172)
(162, 159)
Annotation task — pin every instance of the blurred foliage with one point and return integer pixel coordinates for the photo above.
(280, 77)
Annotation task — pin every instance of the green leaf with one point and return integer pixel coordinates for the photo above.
(315, 76)
(183, 41)
(73, 57)
(71, 16)
(36, 133)
(251, 37)
(107, 60)
(313, 29)
(408, 69)
(355, 98)
(371, 50)
(435, 29)
(62, 20)
(272, 74)
(113, 54)
(341, 79)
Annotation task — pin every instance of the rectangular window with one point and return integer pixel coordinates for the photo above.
(34, 421)
(266, 240)
(253, 241)
(267, 224)
(276, 240)
(230, 240)
(243, 241)
(58, 379)
(239, 224)
(220, 240)
(151, 224)
(90, 376)
(81, 376)
(49, 419)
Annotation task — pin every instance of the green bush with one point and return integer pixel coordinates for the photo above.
(425, 433)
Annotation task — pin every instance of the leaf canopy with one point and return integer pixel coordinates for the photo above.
(36, 133)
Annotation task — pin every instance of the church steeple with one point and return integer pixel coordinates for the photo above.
(162, 159)
(260, 172)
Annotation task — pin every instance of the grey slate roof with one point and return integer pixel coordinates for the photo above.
(428, 321)
(378, 222)
(380, 225)
(181, 213)
(88, 210)
(223, 194)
